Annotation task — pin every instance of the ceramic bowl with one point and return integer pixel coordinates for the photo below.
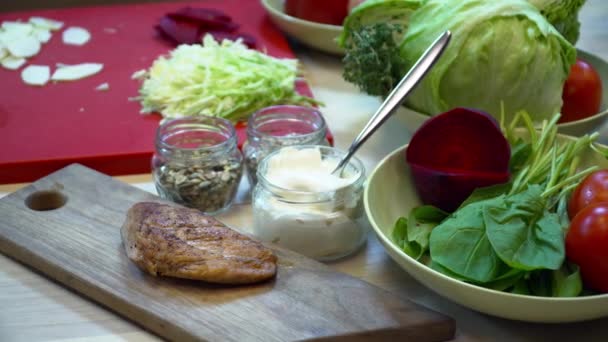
(316, 35)
(414, 119)
(390, 193)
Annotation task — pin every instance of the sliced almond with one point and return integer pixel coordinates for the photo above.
(26, 46)
(76, 72)
(103, 87)
(17, 27)
(43, 35)
(37, 75)
(46, 23)
(76, 36)
(139, 74)
(12, 63)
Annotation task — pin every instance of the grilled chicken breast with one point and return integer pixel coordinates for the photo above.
(180, 242)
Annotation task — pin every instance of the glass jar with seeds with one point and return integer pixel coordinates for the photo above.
(284, 125)
(197, 163)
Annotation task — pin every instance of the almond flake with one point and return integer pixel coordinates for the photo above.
(37, 75)
(26, 46)
(76, 72)
(76, 36)
(46, 23)
(103, 87)
(43, 35)
(12, 63)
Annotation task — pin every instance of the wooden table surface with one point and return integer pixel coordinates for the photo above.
(36, 309)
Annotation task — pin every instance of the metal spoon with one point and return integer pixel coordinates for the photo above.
(396, 97)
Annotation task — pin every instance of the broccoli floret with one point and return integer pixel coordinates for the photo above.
(372, 60)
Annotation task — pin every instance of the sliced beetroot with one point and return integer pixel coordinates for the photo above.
(181, 32)
(454, 153)
(189, 25)
(247, 39)
(205, 17)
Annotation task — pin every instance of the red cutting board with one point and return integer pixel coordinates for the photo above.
(46, 128)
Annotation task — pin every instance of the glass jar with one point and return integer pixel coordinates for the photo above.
(284, 125)
(324, 225)
(197, 163)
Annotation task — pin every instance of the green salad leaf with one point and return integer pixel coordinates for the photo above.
(218, 79)
(461, 245)
(412, 234)
(524, 234)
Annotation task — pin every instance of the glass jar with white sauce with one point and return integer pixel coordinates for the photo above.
(197, 163)
(298, 204)
(273, 127)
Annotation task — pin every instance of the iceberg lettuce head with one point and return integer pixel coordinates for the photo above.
(502, 53)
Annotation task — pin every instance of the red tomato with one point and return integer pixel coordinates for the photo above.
(592, 189)
(587, 245)
(582, 93)
(322, 11)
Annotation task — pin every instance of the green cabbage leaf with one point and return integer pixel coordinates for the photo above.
(563, 14)
(502, 53)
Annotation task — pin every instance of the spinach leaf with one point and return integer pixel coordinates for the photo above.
(412, 235)
(539, 283)
(485, 193)
(400, 237)
(523, 233)
(566, 282)
(507, 280)
(437, 267)
(521, 287)
(421, 222)
(460, 244)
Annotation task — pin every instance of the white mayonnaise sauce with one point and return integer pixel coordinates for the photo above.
(324, 229)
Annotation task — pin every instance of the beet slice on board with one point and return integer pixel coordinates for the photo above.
(455, 152)
(205, 17)
(181, 32)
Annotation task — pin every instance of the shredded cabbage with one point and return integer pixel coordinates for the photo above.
(218, 79)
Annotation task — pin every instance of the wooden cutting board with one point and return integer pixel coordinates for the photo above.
(78, 244)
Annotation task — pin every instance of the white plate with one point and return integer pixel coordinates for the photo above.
(316, 35)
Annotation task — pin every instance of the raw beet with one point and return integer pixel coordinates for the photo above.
(181, 32)
(206, 18)
(189, 25)
(453, 153)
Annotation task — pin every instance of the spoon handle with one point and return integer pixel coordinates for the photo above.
(398, 94)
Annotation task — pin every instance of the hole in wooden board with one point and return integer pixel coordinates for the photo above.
(46, 200)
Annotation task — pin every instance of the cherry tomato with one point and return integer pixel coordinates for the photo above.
(582, 93)
(587, 245)
(330, 12)
(592, 189)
